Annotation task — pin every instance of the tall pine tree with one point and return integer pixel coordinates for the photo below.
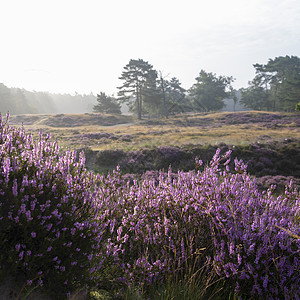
(139, 79)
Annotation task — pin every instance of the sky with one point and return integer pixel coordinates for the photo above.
(68, 46)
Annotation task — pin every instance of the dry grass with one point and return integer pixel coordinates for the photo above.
(181, 130)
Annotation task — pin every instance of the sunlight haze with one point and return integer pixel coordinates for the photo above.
(82, 46)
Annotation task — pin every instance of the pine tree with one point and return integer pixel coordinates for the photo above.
(176, 98)
(280, 81)
(139, 81)
(209, 91)
(107, 104)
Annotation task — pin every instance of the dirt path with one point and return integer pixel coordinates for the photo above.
(122, 125)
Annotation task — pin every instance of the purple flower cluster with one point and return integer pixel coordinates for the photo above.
(279, 182)
(47, 212)
(70, 228)
(249, 238)
(270, 158)
(271, 120)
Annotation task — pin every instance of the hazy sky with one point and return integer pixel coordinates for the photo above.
(83, 45)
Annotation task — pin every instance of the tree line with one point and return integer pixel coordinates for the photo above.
(21, 101)
(275, 87)
(147, 92)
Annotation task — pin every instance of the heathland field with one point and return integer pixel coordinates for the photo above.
(268, 142)
(167, 211)
(111, 132)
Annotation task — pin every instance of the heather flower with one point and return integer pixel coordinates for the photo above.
(15, 188)
(49, 226)
(29, 282)
(21, 255)
(40, 282)
(145, 230)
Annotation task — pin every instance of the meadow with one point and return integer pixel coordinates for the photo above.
(267, 141)
(111, 132)
(207, 232)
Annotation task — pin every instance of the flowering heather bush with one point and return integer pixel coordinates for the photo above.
(270, 158)
(109, 157)
(169, 155)
(278, 182)
(270, 120)
(248, 238)
(62, 120)
(68, 228)
(25, 119)
(246, 117)
(48, 232)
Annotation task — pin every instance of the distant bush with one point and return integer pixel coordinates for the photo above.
(269, 159)
(103, 136)
(277, 182)
(267, 119)
(109, 157)
(62, 120)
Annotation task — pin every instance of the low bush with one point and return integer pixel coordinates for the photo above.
(248, 238)
(209, 230)
(269, 159)
(48, 233)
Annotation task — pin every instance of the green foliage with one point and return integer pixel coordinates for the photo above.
(209, 91)
(276, 85)
(177, 101)
(107, 104)
(152, 98)
(139, 82)
(285, 76)
(254, 97)
(21, 101)
(146, 95)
